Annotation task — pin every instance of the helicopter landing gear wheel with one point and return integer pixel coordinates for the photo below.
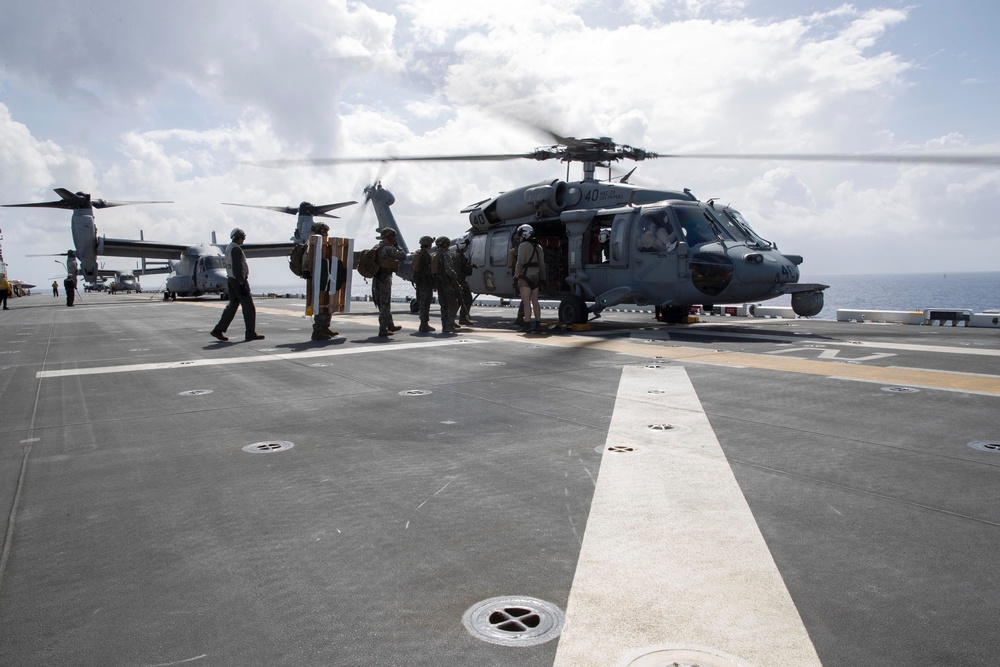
(674, 314)
(572, 310)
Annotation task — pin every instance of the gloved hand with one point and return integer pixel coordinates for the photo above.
(307, 275)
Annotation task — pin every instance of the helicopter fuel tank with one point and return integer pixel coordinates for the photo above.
(547, 198)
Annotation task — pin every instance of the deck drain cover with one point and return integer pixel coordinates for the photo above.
(514, 621)
(621, 449)
(415, 392)
(654, 365)
(686, 657)
(986, 445)
(901, 390)
(492, 363)
(268, 446)
(321, 365)
(656, 391)
(661, 427)
(195, 392)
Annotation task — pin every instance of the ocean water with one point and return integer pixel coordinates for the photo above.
(899, 291)
(907, 291)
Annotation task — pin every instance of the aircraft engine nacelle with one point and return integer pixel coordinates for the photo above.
(807, 304)
(547, 198)
(86, 242)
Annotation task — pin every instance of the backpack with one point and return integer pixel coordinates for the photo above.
(366, 262)
(295, 258)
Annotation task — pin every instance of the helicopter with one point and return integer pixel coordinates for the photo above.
(196, 269)
(610, 242)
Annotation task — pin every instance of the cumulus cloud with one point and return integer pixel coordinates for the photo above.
(168, 100)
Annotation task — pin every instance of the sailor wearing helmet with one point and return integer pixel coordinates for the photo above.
(389, 256)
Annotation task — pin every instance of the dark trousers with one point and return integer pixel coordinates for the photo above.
(239, 295)
(3, 298)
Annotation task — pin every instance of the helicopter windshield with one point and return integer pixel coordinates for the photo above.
(698, 227)
(734, 217)
(214, 263)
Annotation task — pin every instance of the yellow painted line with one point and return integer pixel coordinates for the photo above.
(911, 377)
(672, 555)
(894, 375)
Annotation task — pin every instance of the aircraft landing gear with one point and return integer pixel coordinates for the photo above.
(573, 310)
(672, 314)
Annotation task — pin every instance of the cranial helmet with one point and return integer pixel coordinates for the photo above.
(237, 233)
(462, 243)
(426, 241)
(604, 236)
(443, 242)
(525, 231)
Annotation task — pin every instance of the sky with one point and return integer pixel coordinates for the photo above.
(152, 100)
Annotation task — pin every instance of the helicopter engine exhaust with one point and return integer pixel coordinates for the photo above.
(547, 198)
(807, 304)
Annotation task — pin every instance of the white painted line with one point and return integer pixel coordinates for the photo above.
(258, 358)
(672, 554)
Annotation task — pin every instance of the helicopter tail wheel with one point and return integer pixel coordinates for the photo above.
(573, 310)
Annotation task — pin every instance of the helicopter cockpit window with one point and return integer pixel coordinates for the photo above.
(656, 234)
(698, 227)
(737, 219)
(212, 263)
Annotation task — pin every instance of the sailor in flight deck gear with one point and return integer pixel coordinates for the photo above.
(531, 275)
(238, 286)
(423, 282)
(446, 280)
(389, 257)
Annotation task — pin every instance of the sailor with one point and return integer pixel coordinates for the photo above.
(531, 275)
(463, 268)
(389, 256)
(515, 241)
(4, 290)
(446, 281)
(323, 316)
(238, 286)
(423, 282)
(55, 288)
(69, 285)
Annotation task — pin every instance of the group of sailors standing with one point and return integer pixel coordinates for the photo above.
(439, 267)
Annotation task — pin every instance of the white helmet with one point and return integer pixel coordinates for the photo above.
(604, 236)
(462, 243)
(237, 232)
(525, 231)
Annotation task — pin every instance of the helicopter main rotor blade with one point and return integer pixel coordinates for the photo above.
(913, 158)
(322, 162)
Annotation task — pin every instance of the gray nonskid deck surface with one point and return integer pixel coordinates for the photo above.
(429, 473)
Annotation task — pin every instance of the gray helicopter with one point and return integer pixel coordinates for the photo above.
(611, 242)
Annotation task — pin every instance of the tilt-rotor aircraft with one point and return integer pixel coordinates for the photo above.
(196, 269)
(610, 242)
